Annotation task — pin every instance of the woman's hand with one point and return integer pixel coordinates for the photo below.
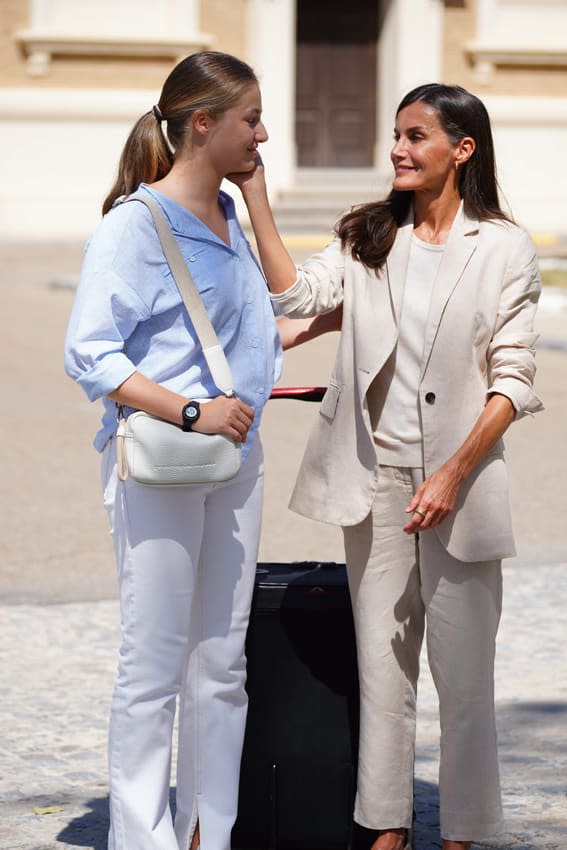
(437, 495)
(224, 415)
(250, 180)
(279, 267)
(434, 499)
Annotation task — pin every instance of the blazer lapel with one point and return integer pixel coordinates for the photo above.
(461, 245)
(379, 300)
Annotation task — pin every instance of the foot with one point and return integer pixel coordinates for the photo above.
(391, 839)
(456, 845)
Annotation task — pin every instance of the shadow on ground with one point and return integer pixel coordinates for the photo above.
(533, 749)
(91, 828)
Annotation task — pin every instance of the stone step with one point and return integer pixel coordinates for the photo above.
(308, 219)
(314, 206)
(320, 197)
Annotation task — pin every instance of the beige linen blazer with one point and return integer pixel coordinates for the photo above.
(479, 340)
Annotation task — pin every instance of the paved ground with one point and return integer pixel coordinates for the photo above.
(58, 613)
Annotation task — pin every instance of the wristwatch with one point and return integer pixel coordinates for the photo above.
(190, 414)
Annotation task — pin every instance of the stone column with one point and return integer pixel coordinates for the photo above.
(410, 52)
(271, 51)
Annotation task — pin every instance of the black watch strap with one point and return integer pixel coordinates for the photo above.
(190, 414)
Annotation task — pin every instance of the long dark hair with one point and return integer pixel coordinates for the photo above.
(207, 80)
(370, 229)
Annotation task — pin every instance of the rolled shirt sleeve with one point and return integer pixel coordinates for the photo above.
(511, 353)
(105, 313)
(318, 287)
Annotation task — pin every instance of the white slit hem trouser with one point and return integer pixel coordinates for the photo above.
(186, 565)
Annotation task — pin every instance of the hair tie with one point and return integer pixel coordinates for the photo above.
(157, 113)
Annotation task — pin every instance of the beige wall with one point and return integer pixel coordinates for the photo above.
(13, 17)
(460, 28)
(83, 107)
(227, 22)
(224, 21)
(70, 71)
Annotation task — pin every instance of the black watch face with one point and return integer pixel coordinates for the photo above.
(191, 412)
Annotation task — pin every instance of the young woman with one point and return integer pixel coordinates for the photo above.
(187, 555)
(439, 290)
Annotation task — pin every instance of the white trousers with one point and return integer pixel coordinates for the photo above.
(397, 582)
(186, 565)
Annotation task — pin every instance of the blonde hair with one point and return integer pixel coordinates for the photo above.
(207, 80)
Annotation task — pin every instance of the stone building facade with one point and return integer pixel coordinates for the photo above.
(76, 74)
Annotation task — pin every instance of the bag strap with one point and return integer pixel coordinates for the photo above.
(212, 349)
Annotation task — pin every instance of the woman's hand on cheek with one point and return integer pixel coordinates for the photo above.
(250, 180)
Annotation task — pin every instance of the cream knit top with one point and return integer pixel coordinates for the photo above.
(393, 396)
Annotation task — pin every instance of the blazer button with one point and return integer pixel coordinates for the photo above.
(430, 398)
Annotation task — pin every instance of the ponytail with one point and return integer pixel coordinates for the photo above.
(146, 158)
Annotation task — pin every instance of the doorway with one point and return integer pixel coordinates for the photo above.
(336, 69)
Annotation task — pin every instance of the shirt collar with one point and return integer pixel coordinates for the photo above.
(184, 223)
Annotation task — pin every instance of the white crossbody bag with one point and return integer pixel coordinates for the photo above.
(158, 453)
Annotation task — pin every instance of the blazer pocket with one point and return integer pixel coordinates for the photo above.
(328, 406)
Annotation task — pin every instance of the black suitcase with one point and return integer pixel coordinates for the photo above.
(298, 774)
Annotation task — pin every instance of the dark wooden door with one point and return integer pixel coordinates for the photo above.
(336, 83)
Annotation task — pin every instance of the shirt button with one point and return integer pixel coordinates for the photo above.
(192, 259)
(249, 300)
(430, 398)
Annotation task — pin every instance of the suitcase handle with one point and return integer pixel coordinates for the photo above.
(299, 393)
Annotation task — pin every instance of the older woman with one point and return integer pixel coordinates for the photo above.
(439, 290)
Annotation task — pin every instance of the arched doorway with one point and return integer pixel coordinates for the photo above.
(336, 69)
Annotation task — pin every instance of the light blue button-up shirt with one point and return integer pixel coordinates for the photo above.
(129, 316)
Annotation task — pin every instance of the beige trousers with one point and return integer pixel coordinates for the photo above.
(397, 583)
